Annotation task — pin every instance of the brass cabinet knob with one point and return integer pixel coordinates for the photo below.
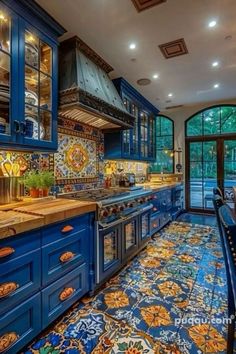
(7, 289)
(6, 251)
(66, 293)
(66, 257)
(66, 229)
(6, 341)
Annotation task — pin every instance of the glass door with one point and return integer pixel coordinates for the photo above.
(145, 226)
(202, 174)
(229, 183)
(144, 134)
(130, 236)
(109, 252)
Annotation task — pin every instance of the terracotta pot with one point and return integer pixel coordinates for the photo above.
(34, 192)
(45, 192)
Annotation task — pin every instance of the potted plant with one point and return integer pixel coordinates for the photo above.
(32, 181)
(46, 182)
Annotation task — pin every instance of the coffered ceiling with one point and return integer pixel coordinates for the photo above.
(110, 26)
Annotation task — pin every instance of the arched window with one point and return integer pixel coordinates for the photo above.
(164, 146)
(210, 156)
(213, 121)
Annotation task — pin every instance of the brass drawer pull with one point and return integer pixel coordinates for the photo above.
(66, 257)
(6, 341)
(7, 289)
(66, 293)
(66, 229)
(6, 251)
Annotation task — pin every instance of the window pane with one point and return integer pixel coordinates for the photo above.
(196, 151)
(45, 58)
(165, 142)
(5, 24)
(4, 93)
(194, 126)
(45, 125)
(31, 49)
(45, 91)
(31, 85)
(209, 151)
(31, 122)
(211, 119)
(158, 126)
(166, 126)
(228, 119)
(164, 162)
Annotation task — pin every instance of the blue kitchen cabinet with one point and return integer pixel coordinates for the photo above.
(42, 273)
(130, 237)
(28, 76)
(145, 227)
(177, 201)
(137, 143)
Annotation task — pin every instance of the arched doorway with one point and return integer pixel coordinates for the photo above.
(210, 159)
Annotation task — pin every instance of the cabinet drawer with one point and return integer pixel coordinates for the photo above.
(61, 256)
(19, 278)
(57, 297)
(63, 230)
(19, 326)
(13, 247)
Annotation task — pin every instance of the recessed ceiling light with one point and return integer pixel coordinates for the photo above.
(155, 76)
(216, 85)
(212, 23)
(170, 94)
(132, 46)
(215, 63)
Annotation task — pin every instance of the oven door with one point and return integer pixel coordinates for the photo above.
(145, 227)
(130, 229)
(108, 251)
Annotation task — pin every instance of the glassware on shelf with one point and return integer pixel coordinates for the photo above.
(5, 67)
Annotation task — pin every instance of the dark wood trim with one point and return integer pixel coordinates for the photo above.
(144, 5)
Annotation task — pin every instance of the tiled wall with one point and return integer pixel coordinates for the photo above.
(138, 168)
(77, 165)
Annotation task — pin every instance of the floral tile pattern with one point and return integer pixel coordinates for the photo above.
(170, 299)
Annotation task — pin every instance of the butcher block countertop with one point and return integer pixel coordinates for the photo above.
(12, 223)
(155, 187)
(33, 215)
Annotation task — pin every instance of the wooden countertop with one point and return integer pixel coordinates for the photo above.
(58, 209)
(155, 187)
(37, 214)
(12, 223)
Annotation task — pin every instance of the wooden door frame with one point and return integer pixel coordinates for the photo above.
(220, 139)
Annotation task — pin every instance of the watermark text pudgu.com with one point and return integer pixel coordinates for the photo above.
(200, 320)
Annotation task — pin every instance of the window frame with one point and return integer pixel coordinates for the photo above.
(164, 149)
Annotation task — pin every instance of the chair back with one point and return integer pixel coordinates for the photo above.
(217, 191)
(228, 224)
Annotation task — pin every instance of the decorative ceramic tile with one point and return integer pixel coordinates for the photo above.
(164, 301)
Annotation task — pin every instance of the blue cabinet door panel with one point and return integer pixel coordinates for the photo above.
(52, 264)
(131, 232)
(145, 227)
(24, 272)
(20, 245)
(65, 229)
(24, 321)
(52, 303)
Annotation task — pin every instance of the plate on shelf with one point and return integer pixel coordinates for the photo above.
(35, 128)
(31, 97)
(31, 55)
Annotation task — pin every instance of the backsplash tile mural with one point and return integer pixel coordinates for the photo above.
(77, 165)
(116, 167)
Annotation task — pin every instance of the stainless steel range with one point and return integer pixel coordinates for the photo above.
(122, 227)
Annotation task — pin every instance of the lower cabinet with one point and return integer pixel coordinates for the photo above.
(20, 325)
(59, 296)
(41, 277)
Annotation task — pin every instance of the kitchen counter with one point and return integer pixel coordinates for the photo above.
(12, 223)
(155, 187)
(36, 214)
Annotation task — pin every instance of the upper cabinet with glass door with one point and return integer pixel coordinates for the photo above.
(137, 143)
(28, 76)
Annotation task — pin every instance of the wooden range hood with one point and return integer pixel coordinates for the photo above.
(87, 94)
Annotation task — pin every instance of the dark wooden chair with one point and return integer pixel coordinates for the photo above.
(228, 226)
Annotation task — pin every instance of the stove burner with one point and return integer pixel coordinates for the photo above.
(95, 194)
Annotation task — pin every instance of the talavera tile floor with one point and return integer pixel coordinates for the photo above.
(171, 298)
